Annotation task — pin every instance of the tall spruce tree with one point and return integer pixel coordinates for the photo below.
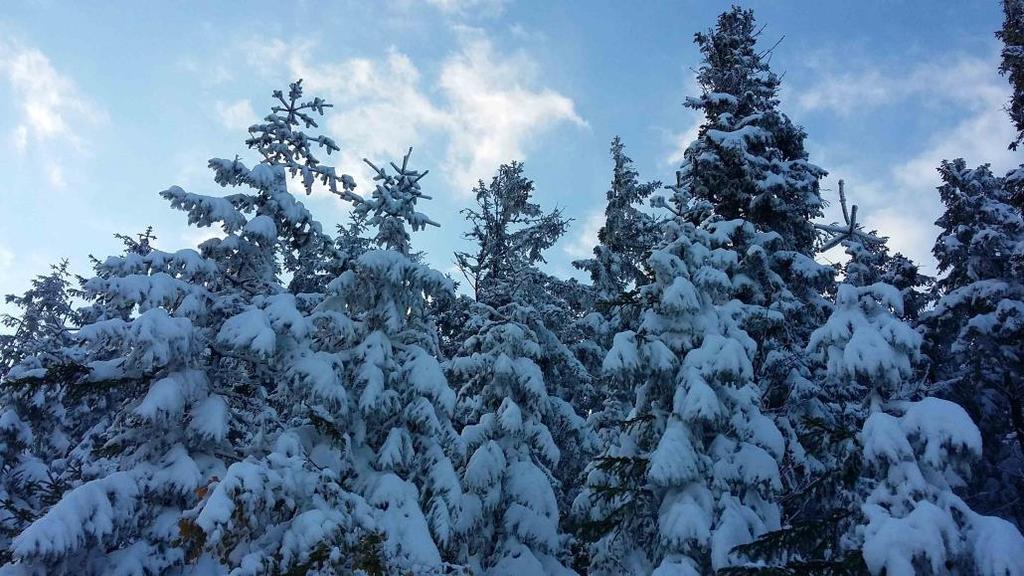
(617, 272)
(976, 328)
(695, 470)
(885, 500)
(749, 162)
(514, 359)
(404, 445)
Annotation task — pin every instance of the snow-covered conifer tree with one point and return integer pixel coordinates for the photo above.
(41, 329)
(1012, 65)
(616, 274)
(976, 329)
(510, 234)
(512, 517)
(912, 452)
(516, 301)
(695, 470)
(625, 240)
(33, 418)
(404, 444)
(206, 451)
(749, 162)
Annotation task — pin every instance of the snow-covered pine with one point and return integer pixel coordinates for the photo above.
(1012, 64)
(749, 158)
(749, 162)
(617, 271)
(624, 243)
(403, 443)
(913, 451)
(510, 234)
(695, 470)
(34, 362)
(206, 454)
(511, 517)
(975, 331)
(41, 328)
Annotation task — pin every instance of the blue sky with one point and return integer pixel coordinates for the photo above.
(102, 105)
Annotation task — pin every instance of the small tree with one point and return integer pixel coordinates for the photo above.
(510, 232)
(43, 326)
(624, 242)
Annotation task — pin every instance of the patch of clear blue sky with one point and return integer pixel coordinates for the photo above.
(150, 70)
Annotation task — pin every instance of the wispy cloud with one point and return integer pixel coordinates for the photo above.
(968, 80)
(486, 8)
(237, 115)
(52, 108)
(494, 111)
(581, 244)
(900, 200)
(680, 141)
(484, 107)
(52, 105)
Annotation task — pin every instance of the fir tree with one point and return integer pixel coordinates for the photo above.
(1012, 65)
(625, 240)
(201, 447)
(890, 459)
(748, 162)
(512, 513)
(43, 326)
(976, 328)
(912, 452)
(695, 470)
(33, 418)
(404, 443)
(511, 233)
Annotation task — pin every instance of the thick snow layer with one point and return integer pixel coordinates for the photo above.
(82, 517)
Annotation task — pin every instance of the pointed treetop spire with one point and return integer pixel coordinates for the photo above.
(393, 203)
(281, 141)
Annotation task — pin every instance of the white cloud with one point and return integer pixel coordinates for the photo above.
(680, 141)
(50, 102)
(488, 109)
(237, 115)
(901, 201)
(493, 111)
(965, 80)
(846, 93)
(379, 108)
(488, 8)
(582, 244)
(51, 107)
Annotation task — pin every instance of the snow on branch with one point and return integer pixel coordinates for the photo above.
(835, 234)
